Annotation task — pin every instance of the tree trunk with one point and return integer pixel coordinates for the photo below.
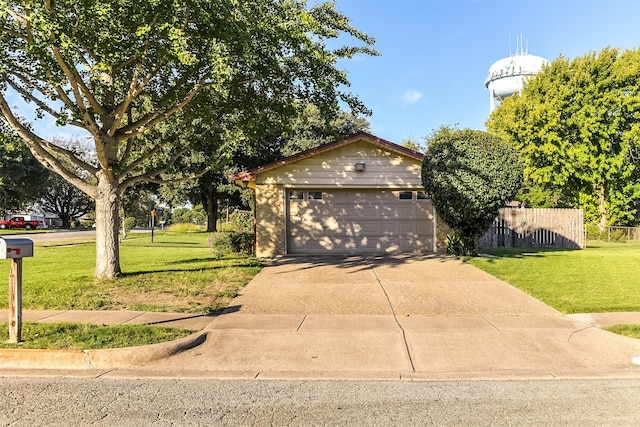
(66, 220)
(107, 227)
(210, 204)
(602, 207)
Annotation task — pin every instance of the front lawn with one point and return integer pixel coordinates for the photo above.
(632, 331)
(600, 278)
(177, 273)
(76, 336)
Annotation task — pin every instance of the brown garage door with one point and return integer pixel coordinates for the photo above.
(358, 221)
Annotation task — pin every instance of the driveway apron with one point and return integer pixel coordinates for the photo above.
(397, 317)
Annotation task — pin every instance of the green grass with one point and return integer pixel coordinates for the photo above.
(75, 336)
(632, 331)
(184, 227)
(601, 278)
(175, 273)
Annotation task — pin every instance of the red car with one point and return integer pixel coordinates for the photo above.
(19, 222)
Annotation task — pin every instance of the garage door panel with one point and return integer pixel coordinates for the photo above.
(369, 221)
(404, 227)
(388, 228)
(370, 227)
(405, 212)
(423, 228)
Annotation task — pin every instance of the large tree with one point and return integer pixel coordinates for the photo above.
(577, 128)
(65, 200)
(311, 129)
(118, 69)
(270, 140)
(62, 198)
(469, 175)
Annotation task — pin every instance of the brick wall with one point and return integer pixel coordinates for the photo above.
(270, 221)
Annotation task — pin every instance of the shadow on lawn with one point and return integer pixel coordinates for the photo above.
(225, 262)
(200, 264)
(521, 252)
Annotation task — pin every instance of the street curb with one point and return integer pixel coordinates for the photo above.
(97, 359)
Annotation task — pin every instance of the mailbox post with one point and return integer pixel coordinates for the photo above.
(15, 249)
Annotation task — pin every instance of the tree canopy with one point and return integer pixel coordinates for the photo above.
(22, 178)
(577, 128)
(273, 141)
(120, 69)
(469, 175)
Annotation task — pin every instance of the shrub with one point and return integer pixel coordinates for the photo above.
(242, 220)
(593, 231)
(455, 245)
(617, 236)
(606, 234)
(224, 244)
(129, 223)
(469, 175)
(195, 215)
(242, 243)
(185, 227)
(219, 244)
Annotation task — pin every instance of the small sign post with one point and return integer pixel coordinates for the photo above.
(153, 223)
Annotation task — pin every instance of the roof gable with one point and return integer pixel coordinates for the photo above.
(360, 136)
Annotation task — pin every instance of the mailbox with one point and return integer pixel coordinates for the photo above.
(15, 248)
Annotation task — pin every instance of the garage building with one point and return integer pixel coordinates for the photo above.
(360, 195)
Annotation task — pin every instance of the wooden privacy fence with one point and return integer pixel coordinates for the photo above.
(536, 228)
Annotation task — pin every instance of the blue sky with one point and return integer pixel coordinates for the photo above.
(436, 54)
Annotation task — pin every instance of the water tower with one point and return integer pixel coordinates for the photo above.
(507, 75)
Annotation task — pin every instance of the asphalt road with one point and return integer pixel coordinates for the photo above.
(27, 401)
(57, 236)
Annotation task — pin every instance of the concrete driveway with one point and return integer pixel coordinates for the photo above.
(396, 318)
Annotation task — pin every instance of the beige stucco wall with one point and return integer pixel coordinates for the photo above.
(270, 220)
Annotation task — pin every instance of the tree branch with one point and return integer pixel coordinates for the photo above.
(41, 104)
(152, 119)
(138, 54)
(14, 34)
(77, 84)
(39, 147)
(132, 93)
(159, 170)
(151, 177)
(131, 167)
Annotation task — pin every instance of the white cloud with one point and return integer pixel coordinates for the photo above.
(411, 96)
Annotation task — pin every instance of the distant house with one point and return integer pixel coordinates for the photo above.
(49, 219)
(360, 195)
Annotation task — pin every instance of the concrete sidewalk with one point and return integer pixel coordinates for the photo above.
(116, 317)
(368, 318)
